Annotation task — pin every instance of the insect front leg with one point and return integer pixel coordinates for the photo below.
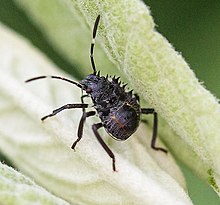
(82, 122)
(64, 107)
(95, 128)
(154, 135)
(82, 101)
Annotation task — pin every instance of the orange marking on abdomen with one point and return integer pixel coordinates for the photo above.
(117, 121)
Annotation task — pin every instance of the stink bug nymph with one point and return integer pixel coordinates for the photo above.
(118, 110)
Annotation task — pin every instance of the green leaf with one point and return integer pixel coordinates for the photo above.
(67, 31)
(43, 149)
(19, 190)
(155, 70)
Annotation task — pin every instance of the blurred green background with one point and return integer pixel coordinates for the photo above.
(192, 27)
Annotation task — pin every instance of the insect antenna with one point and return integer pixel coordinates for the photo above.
(54, 77)
(93, 43)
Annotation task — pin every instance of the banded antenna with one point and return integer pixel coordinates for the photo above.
(93, 43)
(54, 77)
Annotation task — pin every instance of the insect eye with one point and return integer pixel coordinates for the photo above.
(88, 90)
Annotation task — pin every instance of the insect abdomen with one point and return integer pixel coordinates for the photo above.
(123, 122)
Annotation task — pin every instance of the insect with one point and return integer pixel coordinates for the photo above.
(118, 110)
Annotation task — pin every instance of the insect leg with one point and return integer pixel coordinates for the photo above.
(80, 128)
(82, 97)
(82, 101)
(154, 136)
(138, 99)
(82, 121)
(95, 128)
(67, 106)
(93, 43)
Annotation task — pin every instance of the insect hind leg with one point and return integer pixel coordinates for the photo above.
(154, 135)
(95, 128)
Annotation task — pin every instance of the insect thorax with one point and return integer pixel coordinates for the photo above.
(118, 110)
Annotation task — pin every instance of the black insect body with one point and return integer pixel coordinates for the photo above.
(118, 110)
